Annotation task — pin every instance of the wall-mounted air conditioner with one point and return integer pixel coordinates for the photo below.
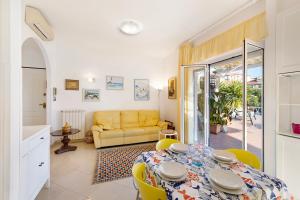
(38, 23)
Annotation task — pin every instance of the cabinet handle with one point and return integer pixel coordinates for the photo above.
(41, 164)
(42, 138)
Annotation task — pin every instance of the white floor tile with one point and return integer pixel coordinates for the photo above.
(72, 176)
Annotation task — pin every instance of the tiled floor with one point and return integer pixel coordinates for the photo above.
(233, 138)
(72, 176)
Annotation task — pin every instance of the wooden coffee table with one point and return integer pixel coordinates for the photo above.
(65, 147)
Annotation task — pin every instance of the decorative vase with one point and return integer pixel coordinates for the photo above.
(66, 128)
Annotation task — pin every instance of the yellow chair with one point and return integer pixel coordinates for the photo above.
(165, 143)
(246, 157)
(148, 192)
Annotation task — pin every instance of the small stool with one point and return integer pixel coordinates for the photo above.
(168, 133)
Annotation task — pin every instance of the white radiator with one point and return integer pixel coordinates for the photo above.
(76, 119)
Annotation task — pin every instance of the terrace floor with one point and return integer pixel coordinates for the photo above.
(233, 138)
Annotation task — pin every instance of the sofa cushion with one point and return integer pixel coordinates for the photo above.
(152, 129)
(133, 132)
(114, 133)
(129, 119)
(148, 118)
(109, 119)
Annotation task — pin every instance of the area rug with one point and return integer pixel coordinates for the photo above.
(115, 163)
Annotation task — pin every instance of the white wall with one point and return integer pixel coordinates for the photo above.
(78, 60)
(32, 55)
(169, 109)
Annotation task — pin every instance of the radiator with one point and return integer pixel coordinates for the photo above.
(76, 119)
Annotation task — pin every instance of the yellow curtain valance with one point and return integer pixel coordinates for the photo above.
(254, 29)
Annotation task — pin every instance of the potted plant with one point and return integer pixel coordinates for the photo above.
(216, 115)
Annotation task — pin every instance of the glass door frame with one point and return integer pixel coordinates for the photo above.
(245, 52)
(206, 104)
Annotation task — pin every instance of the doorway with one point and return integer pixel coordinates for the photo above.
(231, 108)
(34, 84)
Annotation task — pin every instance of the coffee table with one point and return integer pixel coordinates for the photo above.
(65, 147)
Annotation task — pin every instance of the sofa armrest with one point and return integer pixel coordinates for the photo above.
(163, 125)
(97, 128)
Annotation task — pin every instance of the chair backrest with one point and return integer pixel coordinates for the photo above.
(165, 143)
(246, 157)
(148, 192)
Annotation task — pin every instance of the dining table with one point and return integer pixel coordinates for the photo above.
(196, 185)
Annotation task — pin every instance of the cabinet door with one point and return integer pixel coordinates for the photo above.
(40, 166)
(27, 184)
(288, 41)
(288, 163)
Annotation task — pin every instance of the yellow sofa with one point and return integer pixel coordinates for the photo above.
(112, 128)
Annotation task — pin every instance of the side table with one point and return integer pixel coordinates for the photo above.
(168, 133)
(65, 147)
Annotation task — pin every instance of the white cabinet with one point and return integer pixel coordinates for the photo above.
(35, 160)
(288, 40)
(288, 162)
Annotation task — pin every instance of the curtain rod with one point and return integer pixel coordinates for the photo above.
(222, 20)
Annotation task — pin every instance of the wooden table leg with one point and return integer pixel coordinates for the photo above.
(65, 147)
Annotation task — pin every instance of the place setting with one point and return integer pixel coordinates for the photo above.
(223, 157)
(226, 181)
(172, 171)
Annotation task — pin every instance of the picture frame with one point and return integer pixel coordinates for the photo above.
(141, 90)
(172, 88)
(91, 95)
(71, 84)
(114, 83)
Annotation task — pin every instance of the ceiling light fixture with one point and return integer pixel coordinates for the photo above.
(131, 27)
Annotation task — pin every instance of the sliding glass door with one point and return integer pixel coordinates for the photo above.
(253, 98)
(236, 101)
(222, 104)
(194, 107)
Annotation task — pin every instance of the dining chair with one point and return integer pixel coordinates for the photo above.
(165, 143)
(246, 157)
(147, 191)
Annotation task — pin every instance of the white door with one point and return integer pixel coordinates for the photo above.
(34, 96)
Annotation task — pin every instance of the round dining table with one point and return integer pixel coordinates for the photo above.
(196, 186)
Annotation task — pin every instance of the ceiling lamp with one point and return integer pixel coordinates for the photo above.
(131, 27)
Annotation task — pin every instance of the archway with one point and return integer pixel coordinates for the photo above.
(35, 91)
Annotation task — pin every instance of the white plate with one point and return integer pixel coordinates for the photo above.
(172, 179)
(225, 162)
(226, 179)
(236, 192)
(223, 155)
(172, 170)
(182, 148)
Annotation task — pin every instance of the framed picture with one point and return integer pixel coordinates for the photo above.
(71, 84)
(114, 83)
(172, 90)
(91, 95)
(141, 90)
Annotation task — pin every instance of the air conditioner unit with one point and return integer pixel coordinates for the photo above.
(38, 23)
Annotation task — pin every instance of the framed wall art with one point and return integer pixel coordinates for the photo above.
(71, 84)
(172, 88)
(114, 83)
(91, 95)
(141, 90)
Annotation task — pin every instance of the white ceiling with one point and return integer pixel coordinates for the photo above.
(167, 23)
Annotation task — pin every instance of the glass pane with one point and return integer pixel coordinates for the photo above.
(194, 104)
(226, 108)
(254, 117)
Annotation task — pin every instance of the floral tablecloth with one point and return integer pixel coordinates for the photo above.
(196, 186)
